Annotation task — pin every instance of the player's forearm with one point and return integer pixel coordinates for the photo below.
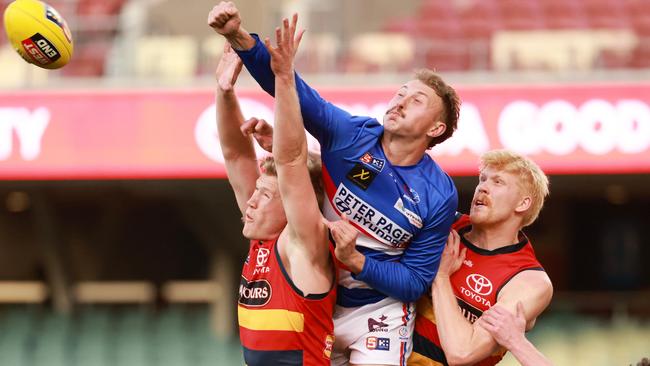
(290, 142)
(318, 115)
(229, 118)
(241, 40)
(527, 355)
(392, 278)
(454, 330)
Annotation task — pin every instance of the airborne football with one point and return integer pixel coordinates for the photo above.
(38, 33)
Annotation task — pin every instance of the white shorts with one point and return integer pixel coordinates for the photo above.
(379, 333)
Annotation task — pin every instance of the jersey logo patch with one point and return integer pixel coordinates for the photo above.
(254, 293)
(414, 219)
(372, 161)
(361, 176)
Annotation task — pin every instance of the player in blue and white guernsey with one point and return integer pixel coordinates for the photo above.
(381, 179)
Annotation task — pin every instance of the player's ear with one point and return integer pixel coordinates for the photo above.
(524, 204)
(437, 129)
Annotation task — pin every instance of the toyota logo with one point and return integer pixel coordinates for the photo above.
(479, 284)
(342, 206)
(262, 256)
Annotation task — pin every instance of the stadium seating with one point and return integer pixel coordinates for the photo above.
(458, 35)
(110, 335)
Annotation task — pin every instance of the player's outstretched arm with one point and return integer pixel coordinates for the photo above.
(508, 330)
(290, 151)
(238, 151)
(319, 116)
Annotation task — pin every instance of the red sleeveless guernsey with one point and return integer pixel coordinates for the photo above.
(476, 285)
(277, 324)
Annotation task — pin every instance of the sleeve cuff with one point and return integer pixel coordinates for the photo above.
(365, 271)
(252, 50)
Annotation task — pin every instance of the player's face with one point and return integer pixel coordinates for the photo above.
(264, 217)
(496, 197)
(413, 111)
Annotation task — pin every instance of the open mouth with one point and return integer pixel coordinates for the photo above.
(480, 202)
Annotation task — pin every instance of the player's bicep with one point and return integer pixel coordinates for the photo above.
(532, 288)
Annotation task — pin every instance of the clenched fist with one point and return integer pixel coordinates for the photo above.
(224, 18)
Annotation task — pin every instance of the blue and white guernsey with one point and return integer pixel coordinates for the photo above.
(404, 213)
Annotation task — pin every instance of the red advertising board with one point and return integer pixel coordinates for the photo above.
(567, 129)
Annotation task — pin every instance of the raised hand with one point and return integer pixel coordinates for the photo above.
(261, 131)
(224, 18)
(228, 68)
(287, 42)
(452, 258)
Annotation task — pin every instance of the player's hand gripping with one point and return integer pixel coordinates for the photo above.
(287, 41)
(224, 18)
(228, 68)
(345, 236)
(261, 131)
(505, 327)
(452, 257)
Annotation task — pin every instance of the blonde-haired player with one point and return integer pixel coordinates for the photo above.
(488, 260)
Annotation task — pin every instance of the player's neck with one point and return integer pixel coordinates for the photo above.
(401, 152)
(493, 237)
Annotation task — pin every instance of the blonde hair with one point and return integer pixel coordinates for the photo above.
(314, 166)
(532, 180)
(450, 103)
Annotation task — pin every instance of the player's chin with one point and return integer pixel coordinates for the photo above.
(248, 231)
(477, 216)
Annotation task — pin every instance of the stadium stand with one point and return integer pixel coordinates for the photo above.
(103, 335)
(446, 31)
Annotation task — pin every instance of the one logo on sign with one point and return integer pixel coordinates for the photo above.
(479, 284)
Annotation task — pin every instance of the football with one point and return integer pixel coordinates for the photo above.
(38, 33)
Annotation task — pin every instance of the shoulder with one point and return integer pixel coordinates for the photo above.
(529, 283)
(436, 178)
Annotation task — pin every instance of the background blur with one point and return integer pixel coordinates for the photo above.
(120, 239)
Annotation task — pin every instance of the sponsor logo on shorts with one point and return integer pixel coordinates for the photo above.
(361, 176)
(378, 344)
(378, 325)
(329, 346)
(254, 293)
(373, 162)
(413, 218)
(403, 333)
(369, 218)
(40, 49)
